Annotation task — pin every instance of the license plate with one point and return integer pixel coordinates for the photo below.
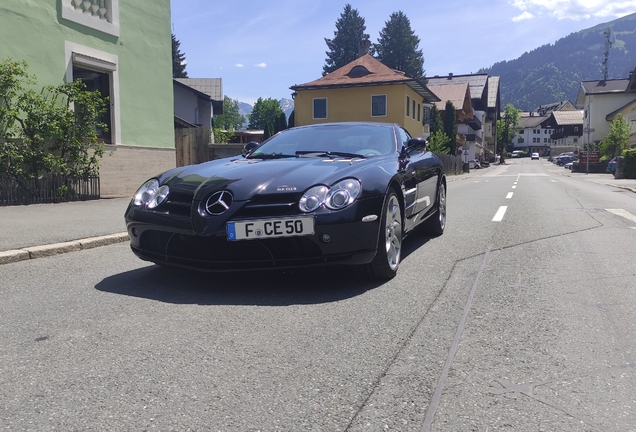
(270, 228)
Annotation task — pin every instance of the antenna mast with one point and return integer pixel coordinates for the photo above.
(608, 45)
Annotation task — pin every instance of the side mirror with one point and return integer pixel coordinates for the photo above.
(416, 142)
(249, 147)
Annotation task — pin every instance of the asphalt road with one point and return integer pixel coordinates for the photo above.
(520, 317)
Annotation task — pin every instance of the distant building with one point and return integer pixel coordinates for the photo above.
(364, 90)
(533, 135)
(486, 107)
(567, 128)
(601, 98)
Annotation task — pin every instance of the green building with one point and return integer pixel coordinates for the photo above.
(121, 47)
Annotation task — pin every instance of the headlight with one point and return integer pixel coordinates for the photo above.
(150, 194)
(336, 197)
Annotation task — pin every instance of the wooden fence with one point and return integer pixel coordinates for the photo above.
(51, 188)
(452, 164)
(191, 145)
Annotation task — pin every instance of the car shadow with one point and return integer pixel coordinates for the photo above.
(181, 286)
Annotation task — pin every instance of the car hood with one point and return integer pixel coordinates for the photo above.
(248, 177)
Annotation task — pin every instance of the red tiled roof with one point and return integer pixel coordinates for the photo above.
(365, 71)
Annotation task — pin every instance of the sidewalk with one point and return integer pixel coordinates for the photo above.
(39, 230)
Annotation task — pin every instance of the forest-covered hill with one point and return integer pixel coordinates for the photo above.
(554, 72)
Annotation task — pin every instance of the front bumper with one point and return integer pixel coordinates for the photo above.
(340, 238)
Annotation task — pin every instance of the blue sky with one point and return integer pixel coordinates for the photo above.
(261, 48)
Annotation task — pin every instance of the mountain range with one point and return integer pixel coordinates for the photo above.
(553, 72)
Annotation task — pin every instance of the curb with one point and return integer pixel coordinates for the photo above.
(33, 252)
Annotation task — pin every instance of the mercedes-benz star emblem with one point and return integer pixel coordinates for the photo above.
(218, 203)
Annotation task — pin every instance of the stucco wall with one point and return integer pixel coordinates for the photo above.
(354, 104)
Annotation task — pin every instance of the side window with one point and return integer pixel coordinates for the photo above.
(378, 105)
(404, 136)
(320, 108)
(408, 106)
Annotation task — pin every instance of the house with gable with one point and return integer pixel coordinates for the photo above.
(121, 48)
(601, 100)
(567, 127)
(469, 133)
(364, 90)
(197, 101)
(486, 104)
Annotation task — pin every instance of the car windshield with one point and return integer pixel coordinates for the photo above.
(334, 140)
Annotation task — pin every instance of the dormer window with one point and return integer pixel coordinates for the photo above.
(358, 72)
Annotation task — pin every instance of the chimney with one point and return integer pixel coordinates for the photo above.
(363, 47)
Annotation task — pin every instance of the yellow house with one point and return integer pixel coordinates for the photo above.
(365, 90)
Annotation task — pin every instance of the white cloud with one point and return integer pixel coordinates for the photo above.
(524, 16)
(239, 65)
(573, 9)
(261, 65)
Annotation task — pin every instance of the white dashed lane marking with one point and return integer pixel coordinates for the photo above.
(500, 214)
(509, 195)
(623, 213)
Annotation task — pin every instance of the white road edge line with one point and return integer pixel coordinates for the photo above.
(509, 195)
(500, 214)
(624, 213)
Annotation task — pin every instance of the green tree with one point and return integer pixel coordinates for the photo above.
(53, 131)
(397, 46)
(343, 48)
(618, 138)
(450, 128)
(280, 123)
(507, 129)
(231, 119)
(264, 116)
(437, 142)
(178, 60)
(292, 119)
(436, 120)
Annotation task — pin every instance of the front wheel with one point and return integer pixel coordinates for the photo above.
(437, 222)
(387, 259)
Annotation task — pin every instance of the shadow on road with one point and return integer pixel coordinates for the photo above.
(261, 289)
(181, 286)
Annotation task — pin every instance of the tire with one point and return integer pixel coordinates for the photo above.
(435, 224)
(387, 259)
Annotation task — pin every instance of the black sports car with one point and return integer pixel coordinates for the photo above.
(326, 194)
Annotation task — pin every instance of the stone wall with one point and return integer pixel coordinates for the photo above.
(124, 168)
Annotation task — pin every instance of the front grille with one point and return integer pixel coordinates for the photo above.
(217, 253)
(178, 203)
(271, 205)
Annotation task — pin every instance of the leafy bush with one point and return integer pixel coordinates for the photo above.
(629, 163)
(54, 131)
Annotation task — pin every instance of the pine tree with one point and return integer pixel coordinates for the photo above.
(280, 122)
(436, 120)
(397, 46)
(178, 60)
(343, 48)
(450, 129)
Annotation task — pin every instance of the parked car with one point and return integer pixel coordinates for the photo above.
(562, 160)
(320, 195)
(569, 164)
(611, 166)
(535, 156)
(474, 164)
(517, 153)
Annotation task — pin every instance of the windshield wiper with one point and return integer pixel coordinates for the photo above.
(331, 154)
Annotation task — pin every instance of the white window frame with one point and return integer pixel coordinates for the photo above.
(109, 26)
(313, 108)
(99, 61)
(386, 103)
